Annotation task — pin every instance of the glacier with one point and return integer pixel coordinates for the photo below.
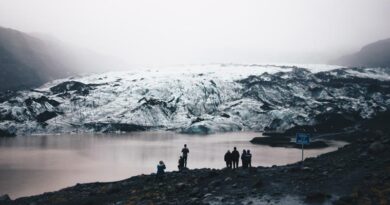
(198, 99)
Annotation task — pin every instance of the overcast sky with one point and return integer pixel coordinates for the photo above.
(206, 31)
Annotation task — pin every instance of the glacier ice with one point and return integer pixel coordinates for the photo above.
(197, 99)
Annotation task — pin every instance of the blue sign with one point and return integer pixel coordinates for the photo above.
(302, 138)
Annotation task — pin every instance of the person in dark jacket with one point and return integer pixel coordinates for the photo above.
(181, 163)
(249, 158)
(185, 152)
(228, 159)
(244, 159)
(235, 158)
(160, 170)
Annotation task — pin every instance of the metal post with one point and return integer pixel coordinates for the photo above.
(302, 155)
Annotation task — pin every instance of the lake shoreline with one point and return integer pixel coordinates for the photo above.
(334, 177)
(52, 162)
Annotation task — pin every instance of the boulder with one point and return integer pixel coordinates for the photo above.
(180, 186)
(113, 188)
(195, 191)
(345, 200)
(376, 147)
(193, 200)
(215, 183)
(228, 179)
(207, 195)
(4, 198)
(242, 173)
(316, 197)
(258, 184)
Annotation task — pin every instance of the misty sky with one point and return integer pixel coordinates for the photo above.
(206, 31)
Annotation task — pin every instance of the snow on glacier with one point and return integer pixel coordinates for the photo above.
(192, 99)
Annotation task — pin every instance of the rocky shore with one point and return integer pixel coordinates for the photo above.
(358, 173)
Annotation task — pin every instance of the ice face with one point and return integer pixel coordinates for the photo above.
(198, 99)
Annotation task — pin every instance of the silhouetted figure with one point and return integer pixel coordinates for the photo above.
(228, 159)
(244, 159)
(235, 158)
(160, 170)
(181, 163)
(185, 152)
(249, 158)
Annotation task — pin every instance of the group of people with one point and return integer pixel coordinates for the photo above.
(182, 162)
(232, 158)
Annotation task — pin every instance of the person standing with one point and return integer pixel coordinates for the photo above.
(185, 152)
(181, 163)
(244, 159)
(249, 156)
(235, 157)
(160, 170)
(228, 159)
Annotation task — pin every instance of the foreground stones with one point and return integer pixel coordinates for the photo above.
(4, 198)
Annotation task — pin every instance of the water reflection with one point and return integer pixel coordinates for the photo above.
(36, 164)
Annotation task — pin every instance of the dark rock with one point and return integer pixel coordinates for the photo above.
(166, 107)
(6, 133)
(225, 115)
(259, 184)
(41, 100)
(215, 183)
(4, 198)
(207, 195)
(284, 141)
(195, 191)
(198, 119)
(376, 147)
(242, 173)
(47, 115)
(193, 200)
(78, 87)
(44, 99)
(316, 197)
(345, 200)
(112, 127)
(363, 155)
(212, 174)
(228, 179)
(180, 186)
(113, 188)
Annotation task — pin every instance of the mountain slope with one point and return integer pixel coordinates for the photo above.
(16, 75)
(376, 54)
(27, 61)
(203, 99)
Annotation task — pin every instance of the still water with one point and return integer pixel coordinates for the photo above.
(32, 165)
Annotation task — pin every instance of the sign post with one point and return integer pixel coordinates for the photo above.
(302, 139)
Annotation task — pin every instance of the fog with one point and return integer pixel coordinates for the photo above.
(206, 31)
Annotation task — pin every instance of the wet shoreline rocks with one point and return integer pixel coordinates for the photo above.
(287, 142)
